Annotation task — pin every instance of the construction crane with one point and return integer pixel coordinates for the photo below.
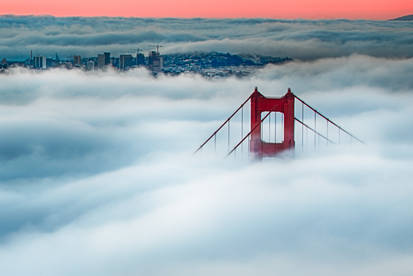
(157, 47)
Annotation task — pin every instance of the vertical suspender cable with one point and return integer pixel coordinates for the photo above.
(269, 128)
(229, 122)
(339, 136)
(275, 127)
(242, 126)
(307, 142)
(215, 142)
(248, 152)
(315, 128)
(302, 127)
(282, 125)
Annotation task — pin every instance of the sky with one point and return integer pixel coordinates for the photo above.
(308, 9)
(98, 175)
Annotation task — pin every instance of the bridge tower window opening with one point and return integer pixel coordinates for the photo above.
(272, 128)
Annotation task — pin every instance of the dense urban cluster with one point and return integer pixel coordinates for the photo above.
(211, 64)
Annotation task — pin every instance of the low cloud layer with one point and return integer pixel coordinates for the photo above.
(299, 39)
(98, 176)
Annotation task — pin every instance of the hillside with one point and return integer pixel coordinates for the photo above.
(404, 18)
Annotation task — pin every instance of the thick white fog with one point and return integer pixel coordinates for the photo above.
(98, 176)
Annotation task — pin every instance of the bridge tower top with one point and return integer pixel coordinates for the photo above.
(283, 105)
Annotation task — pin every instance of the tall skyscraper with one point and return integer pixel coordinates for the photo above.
(77, 61)
(39, 62)
(140, 59)
(107, 58)
(44, 62)
(125, 61)
(155, 62)
(101, 61)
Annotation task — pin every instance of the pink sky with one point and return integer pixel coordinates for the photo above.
(311, 9)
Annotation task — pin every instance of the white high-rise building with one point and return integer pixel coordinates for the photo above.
(39, 62)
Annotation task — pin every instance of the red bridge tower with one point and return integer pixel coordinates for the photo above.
(284, 105)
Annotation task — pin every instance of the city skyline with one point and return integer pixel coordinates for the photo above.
(206, 64)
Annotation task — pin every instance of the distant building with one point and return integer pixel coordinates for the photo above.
(125, 61)
(44, 62)
(140, 59)
(114, 62)
(3, 63)
(90, 65)
(77, 61)
(107, 58)
(155, 62)
(39, 62)
(101, 61)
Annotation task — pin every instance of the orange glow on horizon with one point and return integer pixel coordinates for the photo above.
(308, 9)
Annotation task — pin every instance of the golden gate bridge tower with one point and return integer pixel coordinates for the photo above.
(312, 127)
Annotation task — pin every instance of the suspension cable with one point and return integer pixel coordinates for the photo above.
(242, 126)
(248, 134)
(314, 131)
(222, 125)
(339, 127)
